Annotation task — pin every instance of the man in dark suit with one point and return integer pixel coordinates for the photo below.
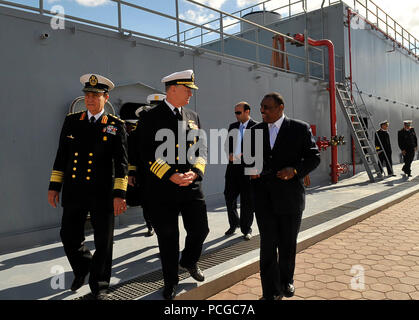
(289, 154)
(236, 182)
(408, 144)
(92, 145)
(383, 147)
(174, 175)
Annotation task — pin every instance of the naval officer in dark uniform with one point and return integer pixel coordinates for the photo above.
(92, 145)
(384, 148)
(408, 144)
(173, 180)
(289, 154)
(236, 182)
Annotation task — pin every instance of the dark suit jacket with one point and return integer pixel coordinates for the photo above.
(89, 157)
(158, 171)
(294, 147)
(230, 146)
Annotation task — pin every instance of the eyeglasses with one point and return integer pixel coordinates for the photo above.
(238, 112)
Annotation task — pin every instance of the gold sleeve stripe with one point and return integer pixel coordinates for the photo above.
(200, 167)
(160, 173)
(155, 164)
(157, 168)
(132, 168)
(200, 164)
(57, 176)
(121, 183)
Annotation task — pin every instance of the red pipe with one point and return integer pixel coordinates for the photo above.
(332, 94)
(350, 79)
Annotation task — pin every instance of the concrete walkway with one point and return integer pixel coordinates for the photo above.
(43, 272)
(375, 259)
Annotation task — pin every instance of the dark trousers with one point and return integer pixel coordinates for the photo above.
(236, 183)
(408, 158)
(147, 216)
(278, 240)
(165, 220)
(389, 164)
(81, 260)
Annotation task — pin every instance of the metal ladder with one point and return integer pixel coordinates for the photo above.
(358, 128)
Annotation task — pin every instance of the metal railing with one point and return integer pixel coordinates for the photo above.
(379, 19)
(291, 8)
(126, 33)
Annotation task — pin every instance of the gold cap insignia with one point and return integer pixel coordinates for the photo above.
(93, 80)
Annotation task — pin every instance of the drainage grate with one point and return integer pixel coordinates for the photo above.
(153, 281)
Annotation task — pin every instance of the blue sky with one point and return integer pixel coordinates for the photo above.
(405, 12)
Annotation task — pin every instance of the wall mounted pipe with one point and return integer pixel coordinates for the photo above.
(332, 95)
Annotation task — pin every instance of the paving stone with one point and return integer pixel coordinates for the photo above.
(388, 280)
(410, 280)
(304, 277)
(305, 292)
(337, 286)
(252, 282)
(327, 293)
(248, 296)
(239, 289)
(401, 287)
(396, 295)
(350, 294)
(325, 278)
(381, 287)
(373, 295)
(384, 245)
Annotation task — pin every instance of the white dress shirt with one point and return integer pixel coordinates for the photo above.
(274, 129)
(173, 107)
(97, 116)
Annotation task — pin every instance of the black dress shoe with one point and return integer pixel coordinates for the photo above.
(230, 231)
(102, 295)
(77, 283)
(169, 292)
(195, 273)
(150, 232)
(288, 290)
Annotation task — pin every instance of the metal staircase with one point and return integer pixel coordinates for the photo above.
(359, 131)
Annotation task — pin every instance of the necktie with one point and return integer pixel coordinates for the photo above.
(239, 141)
(273, 132)
(92, 119)
(178, 115)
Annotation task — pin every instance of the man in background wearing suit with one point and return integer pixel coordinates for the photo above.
(289, 154)
(236, 182)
